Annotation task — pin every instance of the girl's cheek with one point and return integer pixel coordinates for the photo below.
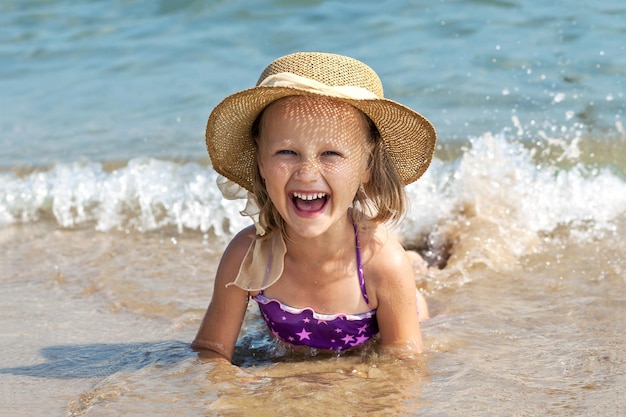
(274, 169)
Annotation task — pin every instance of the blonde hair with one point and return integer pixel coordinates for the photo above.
(381, 199)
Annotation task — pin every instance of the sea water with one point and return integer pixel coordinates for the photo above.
(111, 225)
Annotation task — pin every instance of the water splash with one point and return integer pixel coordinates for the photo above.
(147, 194)
(512, 190)
(501, 198)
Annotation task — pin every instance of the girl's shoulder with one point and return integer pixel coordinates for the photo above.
(387, 269)
(384, 256)
(239, 245)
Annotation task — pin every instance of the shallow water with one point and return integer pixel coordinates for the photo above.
(105, 279)
(111, 226)
(87, 79)
(97, 334)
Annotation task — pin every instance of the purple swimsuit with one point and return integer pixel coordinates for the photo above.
(305, 327)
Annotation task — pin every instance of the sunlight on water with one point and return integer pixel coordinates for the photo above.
(111, 226)
(496, 179)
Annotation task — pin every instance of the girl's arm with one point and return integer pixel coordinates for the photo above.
(396, 296)
(221, 324)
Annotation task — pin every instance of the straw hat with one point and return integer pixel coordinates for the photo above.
(408, 137)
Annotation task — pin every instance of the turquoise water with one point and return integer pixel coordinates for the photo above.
(115, 80)
(111, 226)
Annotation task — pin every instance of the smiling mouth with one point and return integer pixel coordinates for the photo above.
(309, 202)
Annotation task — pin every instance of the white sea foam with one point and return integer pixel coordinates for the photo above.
(502, 183)
(495, 179)
(145, 195)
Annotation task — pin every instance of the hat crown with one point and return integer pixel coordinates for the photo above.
(330, 69)
(408, 137)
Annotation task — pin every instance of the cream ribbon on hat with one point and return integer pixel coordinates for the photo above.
(288, 79)
(264, 261)
(233, 191)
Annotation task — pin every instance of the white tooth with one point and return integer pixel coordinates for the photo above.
(309, 197)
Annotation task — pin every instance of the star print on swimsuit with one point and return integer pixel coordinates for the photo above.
(304, 335)
(304, 326)
(308, 328)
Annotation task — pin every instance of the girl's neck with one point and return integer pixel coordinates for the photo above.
(328, 245)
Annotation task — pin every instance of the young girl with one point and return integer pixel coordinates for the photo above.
(322, 158)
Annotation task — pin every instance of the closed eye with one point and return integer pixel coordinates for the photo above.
(331, 153)
(285, 152)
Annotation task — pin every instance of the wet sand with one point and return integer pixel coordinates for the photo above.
(99, 324)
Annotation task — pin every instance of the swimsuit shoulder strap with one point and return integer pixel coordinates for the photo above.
(360, 266)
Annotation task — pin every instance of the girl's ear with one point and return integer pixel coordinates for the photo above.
(261, 170)
(261, 173)
(259, 161)
(367, 173)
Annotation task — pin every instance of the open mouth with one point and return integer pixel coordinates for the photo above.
(309, 202)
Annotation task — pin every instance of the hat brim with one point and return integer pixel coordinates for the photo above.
(408, 137)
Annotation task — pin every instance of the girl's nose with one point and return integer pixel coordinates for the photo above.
(307, 170)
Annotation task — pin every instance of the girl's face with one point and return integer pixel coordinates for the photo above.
(313, 155)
